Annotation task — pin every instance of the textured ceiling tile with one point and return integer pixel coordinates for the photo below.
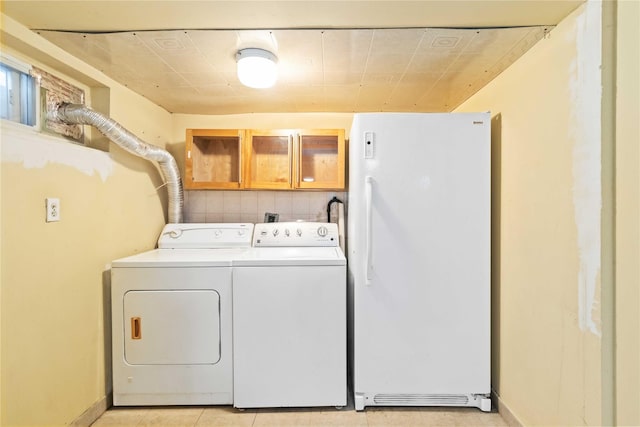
(430, 62)
(193, 63)
(380, 79)
(296, 76)
(374, 93)
(214, 40)
(194, 71)
(449, 40)
(222, 60)
(205, 79)
(347, 49)
(403, 41)
(143, 65)
(261, 39)
(342, 77)
(214, 90)
(419, 81)
(487, 40)
(387, 62)
(167, 42)
(411, 93)
(121, 44)
(341, 93)
(471, 63)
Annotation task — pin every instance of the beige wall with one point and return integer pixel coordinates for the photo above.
(628, 215)
(55, 277)
(546, 235)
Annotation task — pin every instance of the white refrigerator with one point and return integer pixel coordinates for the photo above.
(419, 248)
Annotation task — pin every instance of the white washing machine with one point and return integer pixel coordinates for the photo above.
(289, 318)
(172, 314)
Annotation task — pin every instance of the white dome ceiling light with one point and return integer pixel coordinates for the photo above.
(257, 68)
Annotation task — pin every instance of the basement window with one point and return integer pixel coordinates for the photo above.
(17, 92)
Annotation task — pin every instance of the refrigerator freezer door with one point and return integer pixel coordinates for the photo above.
(419, 254)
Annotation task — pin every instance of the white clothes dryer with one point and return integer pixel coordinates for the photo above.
(172, 314)
(289, 318)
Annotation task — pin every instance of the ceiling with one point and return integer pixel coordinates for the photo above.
(333, 56)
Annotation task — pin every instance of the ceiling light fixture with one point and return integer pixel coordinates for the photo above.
(257, 68)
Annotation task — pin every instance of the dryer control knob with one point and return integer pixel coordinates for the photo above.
(275, 232)
(322, 231)
(299, 232)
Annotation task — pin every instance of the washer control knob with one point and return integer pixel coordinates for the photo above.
(275, 232)
(299, 232)
(286, 232)
(241, 233)
(322, 231)
(217, 233)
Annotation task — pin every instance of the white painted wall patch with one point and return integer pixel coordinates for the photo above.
(35, 150)
(585, 131)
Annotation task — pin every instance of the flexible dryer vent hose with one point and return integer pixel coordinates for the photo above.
(79, 114)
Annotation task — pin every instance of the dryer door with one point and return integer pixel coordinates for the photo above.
(172, 327)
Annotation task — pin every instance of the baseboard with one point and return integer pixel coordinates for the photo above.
(94, 412)
(504, 411)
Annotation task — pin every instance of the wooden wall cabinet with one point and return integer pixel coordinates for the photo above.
(321, 159)
(295, 159)
(275, 159)
(269, 156)
(213, 159)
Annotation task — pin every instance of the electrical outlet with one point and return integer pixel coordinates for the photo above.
(53, 209)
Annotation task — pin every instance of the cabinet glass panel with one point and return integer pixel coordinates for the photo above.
(270, 161)
(321, 161)
(217, 158)
(214, 158)
(318, 158)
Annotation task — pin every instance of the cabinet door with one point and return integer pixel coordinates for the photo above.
(269, 155)
(213, 159)
(320, 159)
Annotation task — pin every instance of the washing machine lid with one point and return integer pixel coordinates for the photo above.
(285, 256)
(182, 258)
(205, 235)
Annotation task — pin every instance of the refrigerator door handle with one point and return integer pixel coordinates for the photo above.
(368, 183)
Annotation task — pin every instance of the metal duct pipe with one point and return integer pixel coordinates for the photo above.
(79, 114)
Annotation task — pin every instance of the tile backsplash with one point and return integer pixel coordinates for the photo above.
(250, 206)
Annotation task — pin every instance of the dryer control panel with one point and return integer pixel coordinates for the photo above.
(207, 236)
(298, 234)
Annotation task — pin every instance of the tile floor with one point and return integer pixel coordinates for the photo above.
(228, 416)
